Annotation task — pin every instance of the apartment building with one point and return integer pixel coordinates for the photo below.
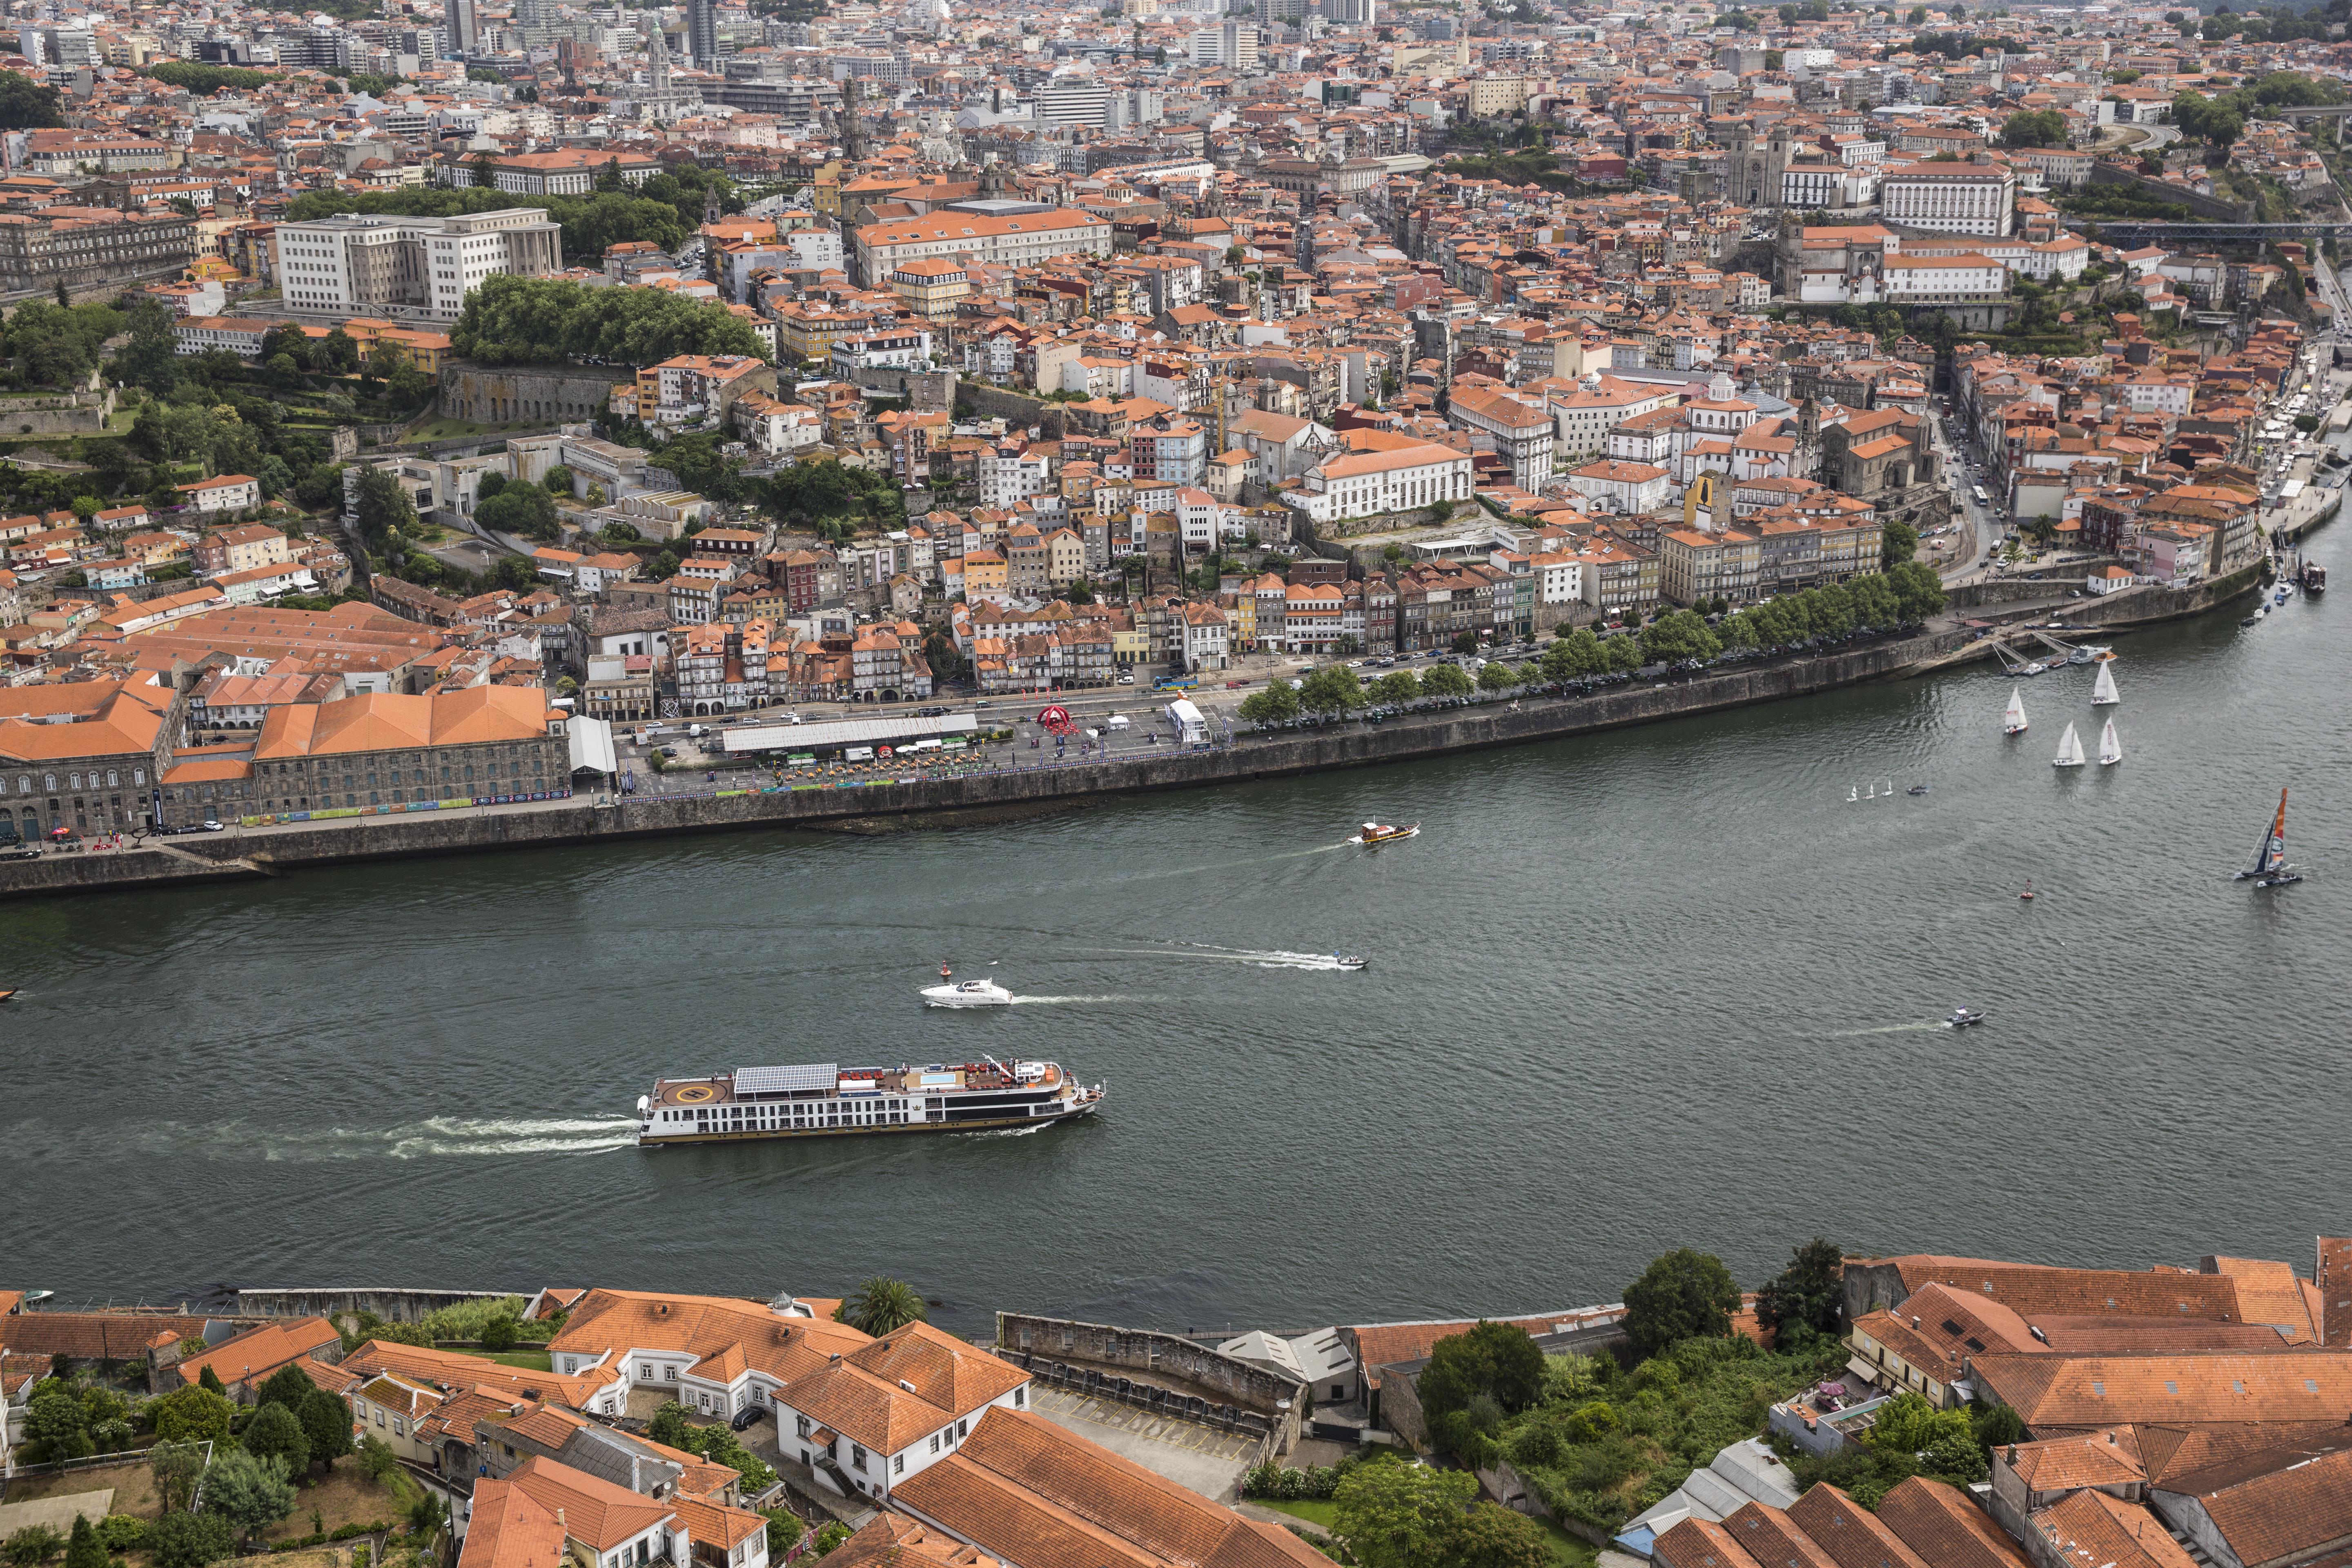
(356, 265)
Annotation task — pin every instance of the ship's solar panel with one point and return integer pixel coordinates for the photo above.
(786, 1080)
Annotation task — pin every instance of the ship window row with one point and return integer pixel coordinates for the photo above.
(791, 1117)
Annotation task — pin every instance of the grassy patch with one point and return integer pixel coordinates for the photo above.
(1313, 1510)
(1569, 1550)
(345, 1497)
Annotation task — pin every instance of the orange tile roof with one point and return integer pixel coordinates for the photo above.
(2086, 1391)
(894, 1540)
(1770, 1537)
(1848, 1535)
(453, 1369)
(2091, 1527)
(1696, 1542)
(510, 1529)
(253, 1355)
(596, 1513)
(1025, 1491)
(385, 721)
(1945, 1527)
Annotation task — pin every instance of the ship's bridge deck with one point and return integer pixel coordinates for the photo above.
(822, 1082)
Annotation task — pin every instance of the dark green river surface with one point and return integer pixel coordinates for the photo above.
(1660, 987)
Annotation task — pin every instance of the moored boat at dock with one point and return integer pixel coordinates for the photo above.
(824, 1099)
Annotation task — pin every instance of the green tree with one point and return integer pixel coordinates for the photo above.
(1679, 634)
(498, 1334)
(1499, 676)
(190, 1540)
(1897, 542)
(1278, 704)
(83, 1548)
(249, 1491)
(513, 320)
(880, 1305)
(1445, 681)
(1810, 1291)
(1682, 1295)
(2042, 128)
(1943, 1443)
(33, 1544)
(177, 1467)
(382, 508)
(1497, 1360)
(1492, 1536)
(289, 1385)
(55, 1422)
(192, 1414)
(1400, 1516)
(1331, 690)
(1466, 642)
(26, 105)
(524, 511)
(670, 1428)
(339, 352)
(1395, 689)
(559, 481)
(152, 358)
(327, 1424)
(378, 1463)
(276, 1433)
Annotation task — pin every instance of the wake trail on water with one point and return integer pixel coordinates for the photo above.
(1884, 1029)
(434, 1137)
(1019, 1001)
(1275, 958)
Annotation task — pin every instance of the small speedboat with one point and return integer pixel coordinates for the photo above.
(1917, 789)
(1382, 832)
(2036, 668)
(1348, 961)
(1961, 1018)
(968, 993)
(6, 994)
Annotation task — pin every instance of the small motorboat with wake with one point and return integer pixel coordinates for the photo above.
(1917, 789)
(1961, 1018)
(953, 993)
(1382, 832)
(1348, 961)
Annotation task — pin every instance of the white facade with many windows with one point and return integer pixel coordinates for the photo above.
(1950, 198)
(1931, 279)
(1366, 484)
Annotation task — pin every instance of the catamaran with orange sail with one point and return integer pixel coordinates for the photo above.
(2270, 868)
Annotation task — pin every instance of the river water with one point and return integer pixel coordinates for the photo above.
(1661, 987)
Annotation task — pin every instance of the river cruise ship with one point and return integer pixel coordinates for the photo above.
(823, 1100)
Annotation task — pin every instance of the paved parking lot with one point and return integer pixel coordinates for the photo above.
(1202, 1459)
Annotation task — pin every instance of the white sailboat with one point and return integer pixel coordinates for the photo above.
(2111, 750)
(2012, 720)
(2103, 690)
(2070, 748)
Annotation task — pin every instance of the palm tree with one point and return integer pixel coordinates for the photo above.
(881, 1306)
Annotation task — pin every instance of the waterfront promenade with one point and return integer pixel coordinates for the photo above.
(1014, 783)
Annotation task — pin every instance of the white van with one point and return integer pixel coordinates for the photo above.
(858, 754)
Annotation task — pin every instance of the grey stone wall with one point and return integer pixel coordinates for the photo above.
(60, 414)
(995, 403)
(1167, 1358)
(539, 393)
(2215, 207)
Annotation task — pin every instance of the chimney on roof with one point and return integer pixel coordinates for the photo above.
(1915, 1321)
(2012, 1453)
(2111, 1439)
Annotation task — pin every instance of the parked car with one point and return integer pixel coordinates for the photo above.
(213, 826)
(752, 1415)
(1127, 680)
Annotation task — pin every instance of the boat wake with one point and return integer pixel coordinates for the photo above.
(1005, 1131)
(439, 1137)
(1021, 1001)
(1884, 1029)
(1275, 958)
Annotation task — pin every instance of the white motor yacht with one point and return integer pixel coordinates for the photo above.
(967, 994)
